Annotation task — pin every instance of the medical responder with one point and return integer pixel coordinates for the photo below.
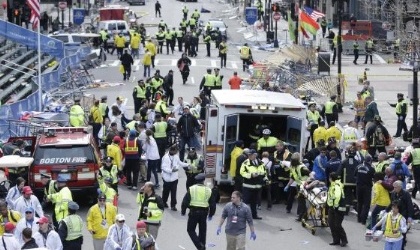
(196, 166)
(377, 137)
(132, 154)
(114, 151)
(346, 173)
(330, 110)
(245, 55)
(7, 215)
(223, 48)
(313, 117)
(202, 204)
(139, 94)
(350, 135)
(109, 170)
(60, 200)
(160, 37)
(369, 50)
(77, 114)
(335, 215)
(218, 78)
(70, 229)
(234, 154)
(320, 133)
(267, 142)
(207, 41)
(151, 208)
(280, 172)
(160, 129)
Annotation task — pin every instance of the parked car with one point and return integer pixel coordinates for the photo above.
(217, 23)
(115, 27)
(136, 2)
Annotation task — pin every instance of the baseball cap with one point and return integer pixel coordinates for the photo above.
(73, 205)
(116, 139)
(43, 220)
(45, 176)
(252, 151)
(140, 224)
(119, 217)
(29, 209)
(101, 196)
(9, 226)
(27, 190)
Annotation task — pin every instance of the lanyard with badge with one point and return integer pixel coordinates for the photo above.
(104, 224)
(235, 214)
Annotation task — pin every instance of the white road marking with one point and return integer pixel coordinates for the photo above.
(192, 80)
(173, 62)
(115, 63)
(193, 62)
(213, 63)
(380, 59)
(156, 62)
(136, 62)
(234, 65)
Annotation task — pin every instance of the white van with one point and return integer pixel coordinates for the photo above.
(115, 27)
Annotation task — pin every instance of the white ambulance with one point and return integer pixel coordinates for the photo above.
(234, 114)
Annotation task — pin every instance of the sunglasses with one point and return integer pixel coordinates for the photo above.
(101, 199)
(121, 221)
(28, 212)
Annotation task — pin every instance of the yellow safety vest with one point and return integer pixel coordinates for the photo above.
(77, 116)
(329, 107)
(12, 216)
(247, 169)
(108, 174)
(50, 189)
(140, 92)
(245, 52)
(156, 83)
(161, 107)
(398, 108)
(369, 44)
(270, 142)
(209, 80)
(103, 34)
(160, 129)
(349, 135)
(217, 80)
(313, 117)
(200, 195)
(61, 200)
(131, 147)
(156, 213)
(224, 49)
(389, 226)
(74, 227)
(335, 194)
(102, 108)
(295, 173)
(194, 165)
(415, 154)
(380, 166)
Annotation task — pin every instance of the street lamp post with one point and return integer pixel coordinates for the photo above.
(415, 100)
(276, 17)
(338, 52)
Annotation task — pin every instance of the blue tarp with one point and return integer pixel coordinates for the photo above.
(29, 38)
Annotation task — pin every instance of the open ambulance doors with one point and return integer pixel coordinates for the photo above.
(230, 136)
(294, 133)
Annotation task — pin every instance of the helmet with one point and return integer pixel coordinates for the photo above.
(332, 140)
(266, 132)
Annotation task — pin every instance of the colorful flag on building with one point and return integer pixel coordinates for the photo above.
(313, 13)
(35, 12)
(291, 26)
(308, 23)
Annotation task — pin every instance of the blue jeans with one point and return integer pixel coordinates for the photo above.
(185, 140)
(375, 213)
(396, 245)
(146, 69)
(152, 166)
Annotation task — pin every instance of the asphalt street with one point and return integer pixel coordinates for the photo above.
(277, 227)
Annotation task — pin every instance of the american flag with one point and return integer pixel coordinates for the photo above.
(315, 15)
(35, 12)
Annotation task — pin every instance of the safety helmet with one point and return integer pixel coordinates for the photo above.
(332, 140)
(266, 132)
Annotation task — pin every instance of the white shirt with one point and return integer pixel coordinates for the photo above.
(53, 241)
(170, 162)
(12, 196)
(21, 204)
(22, 224)
(117, 236)
(142, 136)
(121, 107)
(267, 164)
(150, 118)
(179, 108)
(151, 149)
(117, 120)
(10, 241)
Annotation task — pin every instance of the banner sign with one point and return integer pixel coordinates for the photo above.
(251, 15)
(78, 16)
(29, 38)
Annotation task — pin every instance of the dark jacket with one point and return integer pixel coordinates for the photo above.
(405, 204)
(187, 199)
(187, 125)
(30, 244)
(168, 82)
(371, 111)
(364, 175)
(370, 135)
(126, 59)
(239, 162)
(347, 170)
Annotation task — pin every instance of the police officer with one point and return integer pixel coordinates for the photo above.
(330, 110)
(254, 176)
(401, 108)
(266, 142)
(414, 159)
(313, 117)
(207, 83)
(151, 208)
(185, 12)
(70, 229)
(183, 25)
(60, 200)
(168, 38)
(202, 204)
(335, 215)
(346, 172)
(109, 170)
(179, 38)
(195, 15)
(356, 51)
(246, 55)
(364, 178)
(155, 83)
(207, 40)
(139, 94)
(103, 107)
(369, 50)
(160, 37)
(132, 154)
(77, 114)
(160, 129)
(218, 79)
(50, 186)
(196, 166)
(223, 48)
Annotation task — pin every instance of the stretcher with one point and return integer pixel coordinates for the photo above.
(316, 200)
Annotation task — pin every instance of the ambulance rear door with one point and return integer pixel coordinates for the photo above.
(211, 143)
(229, 137)
(295, 134)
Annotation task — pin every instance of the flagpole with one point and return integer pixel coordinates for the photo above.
(39, 62)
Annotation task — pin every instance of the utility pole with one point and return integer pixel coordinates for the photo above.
(338, 51)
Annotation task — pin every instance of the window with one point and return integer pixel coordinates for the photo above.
(112, 26)
(64, 39)
(75, 155)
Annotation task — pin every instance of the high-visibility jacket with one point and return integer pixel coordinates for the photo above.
(140, 92)
(195, 15)
(223, 48)
(244, 51)
(209, 80)
(183, 23)
(156, 83)
(119, 41)
(390, 227)
(12, 216)
(161, 107)
(415, 155)
(160, 36)
(365, 94)
(207, 39)
(296, 174)
(350, 135)
(320, 133)
(200, 195)
(369, 44)
(185, 10)
(398, 108)
(61, 201)
(380, 166)
(102, 108)
(236, 152)
(77, 116)
(135, 42)
(74, 227)
(162, 25)
(103, 34)
(329, 107)
(218, 80)
(195, 165)
(313, 117)
(96, 114)
(192, 22)
(284, 174)
(334, 132)
(335, 194)
(151, 47)
(105, 173)
(95, 217)
(179, 34)
(131, 147)
(268, 144)
(168, 35)
(247, 169)
(50, 188)
(355, 46)
(155, 212)
(110, 193)
(114, 151)
(160, 129)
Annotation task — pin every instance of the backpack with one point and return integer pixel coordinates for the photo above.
(379, 137)
(399, 172)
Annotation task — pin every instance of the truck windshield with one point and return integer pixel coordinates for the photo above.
(74, 155)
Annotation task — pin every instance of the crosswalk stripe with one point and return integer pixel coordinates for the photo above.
(156, 61)
(115, 63)
(193, 62)
(173, 62)
(213, 63)
(234, 65)
(136, 62)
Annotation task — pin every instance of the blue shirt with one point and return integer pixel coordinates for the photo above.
(320, 163)
(400, 172)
